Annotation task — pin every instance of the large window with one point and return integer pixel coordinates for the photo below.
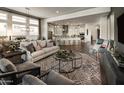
(3, 16)
(19, 19)
(16, 25)
(19, 30)
(3, 29)
(23, 26)
(3, 24)
(34, 27)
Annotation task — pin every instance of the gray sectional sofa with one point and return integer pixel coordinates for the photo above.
(42, 49)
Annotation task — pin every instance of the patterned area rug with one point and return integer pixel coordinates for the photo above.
(87, 74)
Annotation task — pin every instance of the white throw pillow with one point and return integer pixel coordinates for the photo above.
(42, 43)
(38, 47)
(49, 44)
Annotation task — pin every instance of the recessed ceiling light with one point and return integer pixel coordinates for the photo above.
(57, 12)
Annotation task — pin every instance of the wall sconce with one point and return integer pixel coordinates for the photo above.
(97, 26)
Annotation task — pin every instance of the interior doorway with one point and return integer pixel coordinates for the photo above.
(98, 33)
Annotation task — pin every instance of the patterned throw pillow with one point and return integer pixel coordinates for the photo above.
(30, 48)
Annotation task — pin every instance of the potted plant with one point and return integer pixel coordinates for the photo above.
(13, 46)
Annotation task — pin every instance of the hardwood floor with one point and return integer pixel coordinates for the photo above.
(83, 47)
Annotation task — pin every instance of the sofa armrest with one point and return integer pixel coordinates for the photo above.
(28, 54)
(14, 74)
(54, 78)
(31, 80)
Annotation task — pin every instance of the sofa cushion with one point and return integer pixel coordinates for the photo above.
(55, 47)
(42, 43)
(6, 65)
(30, 48)
(38, 53)
(31, 80)
(49, 44)
(49, 49)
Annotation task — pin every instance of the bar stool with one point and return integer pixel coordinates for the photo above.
(67, 42)
(61, 42)
(71, 42)
(74, 43)
(64, 42)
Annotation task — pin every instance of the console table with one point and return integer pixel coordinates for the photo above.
(114, 74)
(14, 56)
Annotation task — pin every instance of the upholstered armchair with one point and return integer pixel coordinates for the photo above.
(99, 47)
(12, 72)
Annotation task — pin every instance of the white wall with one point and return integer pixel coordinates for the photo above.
(112, 26)
(103, 28)
(92, 31)
(87, 36)
(44, 27)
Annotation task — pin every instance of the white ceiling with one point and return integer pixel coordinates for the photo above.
(47, 12)
(81, 20)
